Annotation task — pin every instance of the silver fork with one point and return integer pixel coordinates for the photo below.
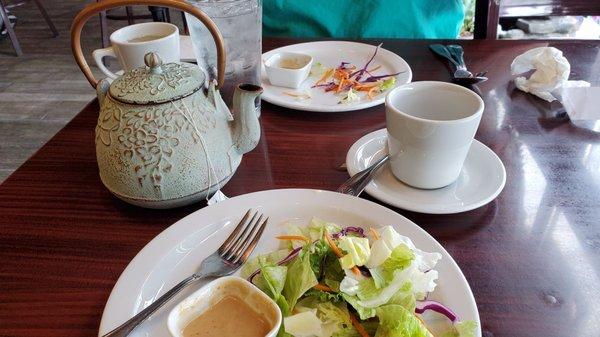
(357, 183)
(226, 260)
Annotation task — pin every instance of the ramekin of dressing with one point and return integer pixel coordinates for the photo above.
(227, 306)
(288, 69)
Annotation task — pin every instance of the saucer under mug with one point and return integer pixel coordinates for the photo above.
(480, 181)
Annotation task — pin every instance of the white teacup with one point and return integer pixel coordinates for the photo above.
(430, 129)
(130, 44)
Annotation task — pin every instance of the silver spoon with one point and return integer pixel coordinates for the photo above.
(357, 183)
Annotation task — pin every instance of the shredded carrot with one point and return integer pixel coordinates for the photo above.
(341, 85)
(338, 252)
(371, 92)
(363, 86)
(361, 330)
(326, 75)
(374, 233)
(323, 287)
(295, 94)
(293, 237)
(332, 245)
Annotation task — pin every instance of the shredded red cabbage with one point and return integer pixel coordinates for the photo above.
(438, 307)
(343, 65)
(359, 73)
(283, 261)
(377, 78)
(359, 231)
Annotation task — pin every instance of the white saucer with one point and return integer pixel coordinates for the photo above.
(481, 180)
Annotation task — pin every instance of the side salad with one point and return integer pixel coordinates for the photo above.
(334, 281)
(349, 82)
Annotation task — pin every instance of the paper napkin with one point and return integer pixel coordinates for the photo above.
(551, 73)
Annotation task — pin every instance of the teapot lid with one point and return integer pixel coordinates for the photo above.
(157, 82)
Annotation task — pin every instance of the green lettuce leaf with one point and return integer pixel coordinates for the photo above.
(334, 315)
(387, 84)
(381, 278)
(324, 296)
(462, 329)
(396, 321)
(292, 229)
(303, 324)
(332, 270)
(357, 251)
(370, 327)
(400, 258)
(367, 289)
(317, 227)
(259, 261)
(301, 279)
(274, 278)
(351, 96)
(404, 297)
(319, 251)
(363, 312)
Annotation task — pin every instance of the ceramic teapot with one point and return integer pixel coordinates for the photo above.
(163, 138)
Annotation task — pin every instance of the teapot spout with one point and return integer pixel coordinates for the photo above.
(246, 127)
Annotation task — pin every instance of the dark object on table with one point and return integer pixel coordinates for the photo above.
(454, 54)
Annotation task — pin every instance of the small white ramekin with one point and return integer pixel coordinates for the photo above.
(211, 293)
(284, 77)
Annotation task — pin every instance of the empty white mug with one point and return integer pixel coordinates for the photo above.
(430, 127)
(130, 44)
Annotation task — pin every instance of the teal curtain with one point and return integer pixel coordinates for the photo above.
(411, 19)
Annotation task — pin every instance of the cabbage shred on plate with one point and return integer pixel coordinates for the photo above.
(333, 281)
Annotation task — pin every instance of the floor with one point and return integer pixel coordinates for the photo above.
(43, 89)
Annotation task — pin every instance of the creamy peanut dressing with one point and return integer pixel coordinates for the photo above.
(291, 63)
(228, 317)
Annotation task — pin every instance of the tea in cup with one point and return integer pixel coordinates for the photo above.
(130, 44)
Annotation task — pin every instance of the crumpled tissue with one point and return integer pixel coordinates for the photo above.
(551, 73)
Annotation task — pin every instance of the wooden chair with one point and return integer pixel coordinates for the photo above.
(11, 32)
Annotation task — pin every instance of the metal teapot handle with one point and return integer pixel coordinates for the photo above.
(90, 10)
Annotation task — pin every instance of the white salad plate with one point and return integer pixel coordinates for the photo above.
(177, 252)
(330, 54)
(481, 180)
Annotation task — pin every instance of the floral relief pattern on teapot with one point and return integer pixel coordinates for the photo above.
(152, 134)
(173, 76)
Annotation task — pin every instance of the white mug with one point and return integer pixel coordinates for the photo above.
(130, 44)
(430, 127)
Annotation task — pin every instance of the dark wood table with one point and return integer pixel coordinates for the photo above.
(532, 256)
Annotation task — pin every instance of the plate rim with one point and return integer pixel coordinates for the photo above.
(334, 108)
(170, 233)
(372, 191)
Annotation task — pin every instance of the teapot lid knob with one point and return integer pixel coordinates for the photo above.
(154, 62)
